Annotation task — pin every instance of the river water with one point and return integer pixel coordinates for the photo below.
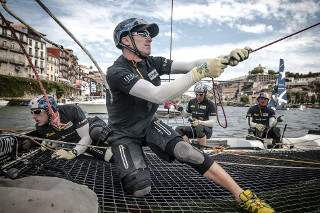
(298, 122)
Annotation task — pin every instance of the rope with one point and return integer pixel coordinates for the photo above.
(215, 89)
(74, 38)
(276, 159)
(3, 2)
(285, 37)
(171, 32)
(50, 140)
(255, 165)
(55, 118)
(29, 137)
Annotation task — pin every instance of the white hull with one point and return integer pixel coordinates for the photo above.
(94, 107)
(3, 103)
(309, 141)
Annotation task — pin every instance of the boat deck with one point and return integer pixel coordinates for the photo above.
(287, 180)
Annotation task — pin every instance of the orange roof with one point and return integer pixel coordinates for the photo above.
(19, 25)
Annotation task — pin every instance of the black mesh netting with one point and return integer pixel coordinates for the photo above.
(288, 181)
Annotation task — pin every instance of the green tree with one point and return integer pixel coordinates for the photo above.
(271, 72)
(244, 99)
(313, 99)
(289, 98)
(257, 70)
(297, 98)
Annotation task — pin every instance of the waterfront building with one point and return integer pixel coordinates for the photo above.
(12, 58)
(52, 67)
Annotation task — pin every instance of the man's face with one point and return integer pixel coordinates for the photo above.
(200, 96)
(143, 42)
(40, 116)
(263, 101)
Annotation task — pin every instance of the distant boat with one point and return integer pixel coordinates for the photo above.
(96, 106)
(279, 93)
(3, 102)
(165, 112)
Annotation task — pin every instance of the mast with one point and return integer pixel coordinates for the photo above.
(282, 93)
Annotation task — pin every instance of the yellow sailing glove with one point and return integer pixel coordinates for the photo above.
(44, 145)
(238, 55)
(212, 68)
(260, 127)
(280, 118)
(63, 154)
(195, 122)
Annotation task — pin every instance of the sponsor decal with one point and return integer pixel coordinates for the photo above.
(165, 62)
(153, 74)
(265, 114)
(192, 106)
(128, 77)
(203, 107)
(50, 134)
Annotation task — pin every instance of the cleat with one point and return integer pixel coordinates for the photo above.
(251, 203)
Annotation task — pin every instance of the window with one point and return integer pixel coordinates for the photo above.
(4, 44)
(30, 42)
(30, 51)
(12, 46)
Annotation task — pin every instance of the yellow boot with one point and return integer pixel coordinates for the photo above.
(252, 203)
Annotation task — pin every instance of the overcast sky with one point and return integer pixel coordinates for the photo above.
(201, 29)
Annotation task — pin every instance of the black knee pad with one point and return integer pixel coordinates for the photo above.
(194, 157)
(138, 182)
(200, 132)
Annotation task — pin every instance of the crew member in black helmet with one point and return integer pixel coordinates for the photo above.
(133, 97)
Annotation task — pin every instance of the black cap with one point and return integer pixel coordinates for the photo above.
(152, 28)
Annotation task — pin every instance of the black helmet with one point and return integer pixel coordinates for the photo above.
(133, 25)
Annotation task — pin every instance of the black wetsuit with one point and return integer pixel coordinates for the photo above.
(200, 111)
(261, 115)
(132, 119)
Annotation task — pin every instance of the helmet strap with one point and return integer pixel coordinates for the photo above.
(135, 50)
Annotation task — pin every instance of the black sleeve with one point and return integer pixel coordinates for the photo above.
(33, 133)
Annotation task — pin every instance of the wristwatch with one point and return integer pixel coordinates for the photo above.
(75, 152)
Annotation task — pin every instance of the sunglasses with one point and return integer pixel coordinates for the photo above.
(143, 34)
(199, 94)
(37, 112)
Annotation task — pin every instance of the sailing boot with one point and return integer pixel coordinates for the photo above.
(252, 203)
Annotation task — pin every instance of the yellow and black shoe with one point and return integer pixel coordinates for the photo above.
(252, 203)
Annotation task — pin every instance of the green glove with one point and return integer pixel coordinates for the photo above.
(63, 154)
(238, 55)
(280, 118)
(180, 108)
(195, 122)
(45, 144)
(212, 68)
(260, 127)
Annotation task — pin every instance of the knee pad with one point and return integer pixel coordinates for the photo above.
(186, 153)
(200, 132)
(138, 182)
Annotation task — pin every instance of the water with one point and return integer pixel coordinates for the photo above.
(298, 122)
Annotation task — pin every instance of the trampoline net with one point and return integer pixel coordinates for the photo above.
(289, 181)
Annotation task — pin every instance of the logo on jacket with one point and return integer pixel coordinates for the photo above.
(153, 74)
(128, 77)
